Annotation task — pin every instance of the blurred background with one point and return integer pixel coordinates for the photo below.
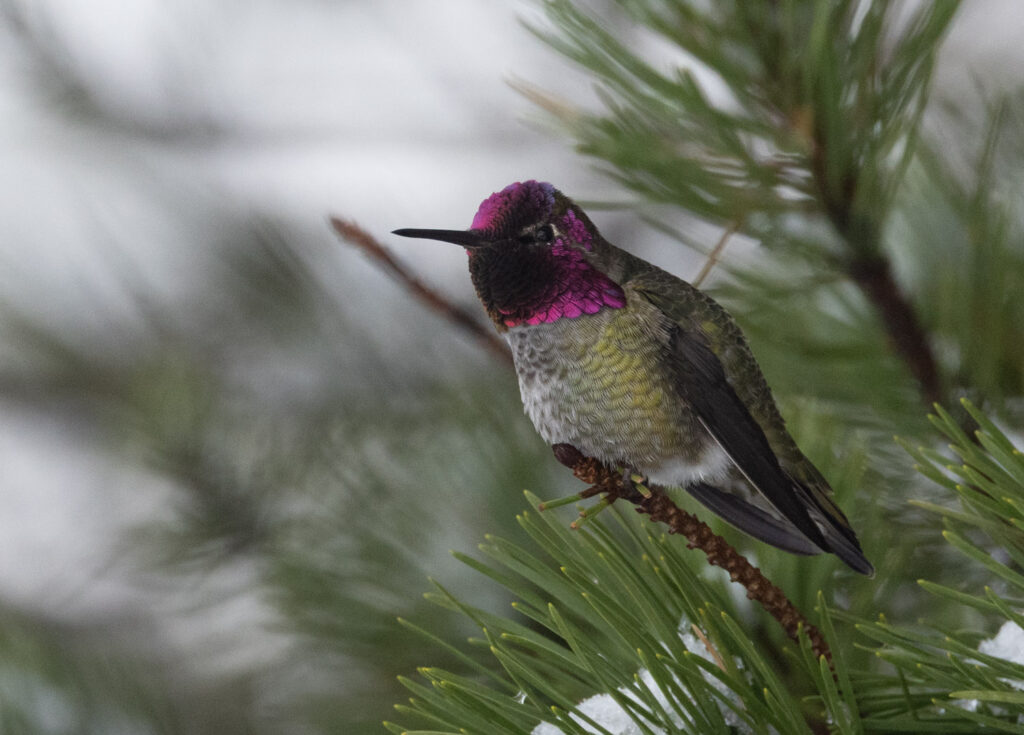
(231, 449)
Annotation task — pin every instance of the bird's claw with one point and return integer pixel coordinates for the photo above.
(634, 482)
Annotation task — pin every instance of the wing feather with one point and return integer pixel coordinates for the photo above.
(701, 381)
(717, 374)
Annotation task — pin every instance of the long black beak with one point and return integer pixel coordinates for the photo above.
(465, 238)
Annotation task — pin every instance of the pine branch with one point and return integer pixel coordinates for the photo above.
(871, 271)
(720, 552)
(823, 123)
(356, 235)
(873, 275)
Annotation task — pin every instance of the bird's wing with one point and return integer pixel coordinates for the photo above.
(701, 381)
(717, 373)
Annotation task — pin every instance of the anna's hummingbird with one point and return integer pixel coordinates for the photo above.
(637, 368)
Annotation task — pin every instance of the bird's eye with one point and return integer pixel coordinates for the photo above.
(543, 234)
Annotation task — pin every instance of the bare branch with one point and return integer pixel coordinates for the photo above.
(356, 235)
(873, 275)
(716, 252)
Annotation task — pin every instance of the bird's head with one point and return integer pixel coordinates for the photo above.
(534, 256)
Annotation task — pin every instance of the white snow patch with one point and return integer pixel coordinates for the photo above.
(604, 710)
(1008, 643)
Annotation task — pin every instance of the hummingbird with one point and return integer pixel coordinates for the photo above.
(641, 370)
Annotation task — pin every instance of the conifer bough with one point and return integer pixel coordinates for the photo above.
(720, 552)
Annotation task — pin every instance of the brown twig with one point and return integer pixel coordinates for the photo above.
(720, 553)
(873, 275)
(356, 235)
(716, 253)
(872, 272)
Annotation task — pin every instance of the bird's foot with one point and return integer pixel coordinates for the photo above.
(634, 482)
(591, 471)
(626, 483)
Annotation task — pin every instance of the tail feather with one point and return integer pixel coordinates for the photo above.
(839, 536)
(843, 543)
(779, 532)
(752, 520)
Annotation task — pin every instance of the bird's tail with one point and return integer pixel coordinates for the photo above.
(839, 536)
(779, 532)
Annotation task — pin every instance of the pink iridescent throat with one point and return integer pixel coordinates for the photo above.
(577, 288)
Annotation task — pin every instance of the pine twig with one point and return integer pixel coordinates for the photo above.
(720, 552)
(356, 235)
(716, 252)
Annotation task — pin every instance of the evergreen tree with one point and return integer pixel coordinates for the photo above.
(804, 132)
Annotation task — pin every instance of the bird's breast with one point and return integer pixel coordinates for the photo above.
(601, 383)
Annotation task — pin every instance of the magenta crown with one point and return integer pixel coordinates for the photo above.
(507, 211)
